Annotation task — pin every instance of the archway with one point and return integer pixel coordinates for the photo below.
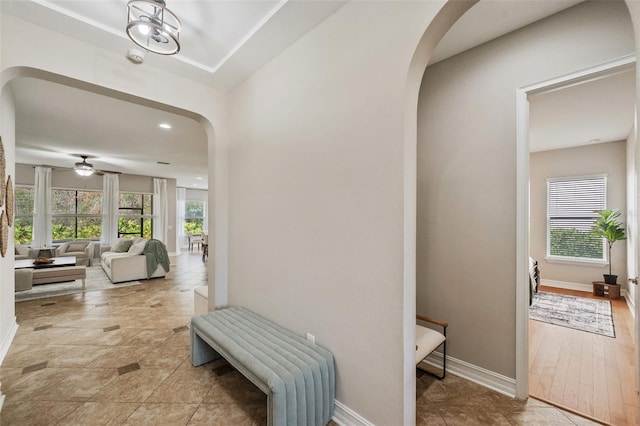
(519, 222)
(15, 73)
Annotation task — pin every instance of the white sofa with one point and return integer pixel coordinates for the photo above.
(129, 265)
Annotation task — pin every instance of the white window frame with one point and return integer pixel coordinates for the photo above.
(75, 215)
(568, 259)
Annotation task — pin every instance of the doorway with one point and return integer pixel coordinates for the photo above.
(468, 221)
(579, 371)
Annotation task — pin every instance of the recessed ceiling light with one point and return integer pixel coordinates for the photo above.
(164, 125)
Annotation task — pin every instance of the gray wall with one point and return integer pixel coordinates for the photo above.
(466, 235)
(25, 175)
(606, 158)
(316, 198)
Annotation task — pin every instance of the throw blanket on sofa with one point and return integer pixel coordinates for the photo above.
(156, 253)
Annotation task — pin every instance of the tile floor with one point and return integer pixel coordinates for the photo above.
(455, 401)
(120, 357)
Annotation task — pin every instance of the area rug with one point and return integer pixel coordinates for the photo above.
(580, 313)
(96, 280)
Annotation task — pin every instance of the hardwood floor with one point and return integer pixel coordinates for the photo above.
(586, 372)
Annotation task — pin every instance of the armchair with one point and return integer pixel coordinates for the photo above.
(81, 249)
(22, 252)
(428, 340)
(195, 239)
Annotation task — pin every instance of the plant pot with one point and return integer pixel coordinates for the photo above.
(610, 279)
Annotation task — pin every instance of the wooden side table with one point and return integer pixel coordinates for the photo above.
(602, 289)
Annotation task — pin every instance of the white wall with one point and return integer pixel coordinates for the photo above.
(606, 158)
(25, 175)
(632, 214)
(30, 50)
(197, 194)
(316, 179)
(8, 324)
(467, 171)
(27, 47)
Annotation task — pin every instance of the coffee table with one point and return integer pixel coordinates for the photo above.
(61, 270)
(57, 263)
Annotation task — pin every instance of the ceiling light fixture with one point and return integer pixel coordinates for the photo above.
(153, 27)
(83, 168)
(164, 125)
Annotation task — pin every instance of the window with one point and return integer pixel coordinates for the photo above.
(194, 216)
(23, 210)
(136, 215)
(76, 214)
(571, 206)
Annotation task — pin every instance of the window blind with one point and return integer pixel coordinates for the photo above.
(572, 203)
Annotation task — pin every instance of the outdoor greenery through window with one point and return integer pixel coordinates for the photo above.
(76, 214)
(23, 210)
(136, 215)
(571, 213)
(194, 217)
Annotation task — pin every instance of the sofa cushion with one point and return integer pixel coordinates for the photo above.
(108, 255)
(22, 250)
(77, 246)
(137, 247)
(121, 246)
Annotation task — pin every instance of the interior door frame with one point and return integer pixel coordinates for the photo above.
(522, 202)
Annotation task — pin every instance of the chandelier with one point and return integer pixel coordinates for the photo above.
(153, 27)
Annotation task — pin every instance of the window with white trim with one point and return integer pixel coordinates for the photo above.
(194, 216)
(135, 215)
(571, 213)
(76, 214)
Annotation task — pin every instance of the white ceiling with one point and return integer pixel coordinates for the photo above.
(223, 43)
(56, 123)
(595, 111)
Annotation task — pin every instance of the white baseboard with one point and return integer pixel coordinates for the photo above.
(6, 342)
(489, 379)
(4, 348)
(567, 285)
(345, 416)
(577, 286)
(630, 303)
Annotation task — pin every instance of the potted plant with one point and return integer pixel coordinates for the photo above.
(608, 227)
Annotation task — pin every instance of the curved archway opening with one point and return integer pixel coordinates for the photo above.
(196, 122)
(451, 82)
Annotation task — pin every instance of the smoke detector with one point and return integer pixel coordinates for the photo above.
(135, 55)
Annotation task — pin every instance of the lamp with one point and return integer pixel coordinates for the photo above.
(153, 27)
(83, 168)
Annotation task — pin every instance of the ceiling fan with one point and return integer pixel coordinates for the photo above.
(82, 168)
(85, 169)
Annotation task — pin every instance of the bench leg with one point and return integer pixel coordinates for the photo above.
(84, 282)
(201, 352)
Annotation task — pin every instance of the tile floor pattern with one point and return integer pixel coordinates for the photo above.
(120, 357)
(455, 401)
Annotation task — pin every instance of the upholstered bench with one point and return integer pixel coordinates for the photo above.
(297, 375)
(59, 274)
